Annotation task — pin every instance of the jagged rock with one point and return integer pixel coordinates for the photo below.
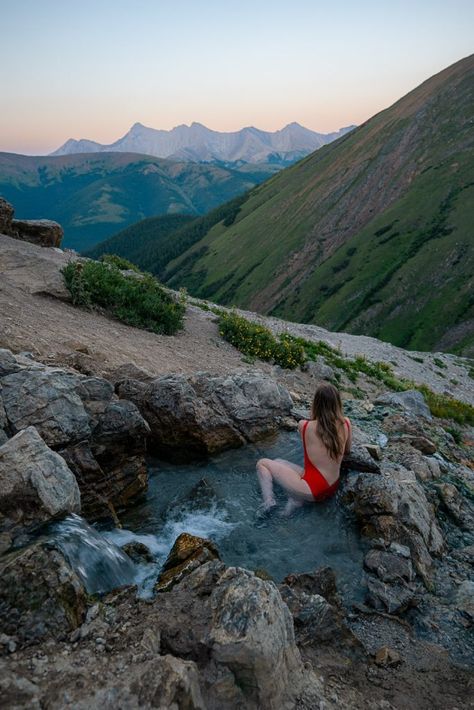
(422, 443)
(138, 552)
(394, 507)
(103, 439)
(319, 369)
(389, 567)
(203, 414)
(359, 459)
(6, 216)
(386, 656)
(392, 598)
(129, 371)
(239, 630)
(17, 692)
(46, 399)
(40, 595)
(411, 401)
(374, 451)
(43, 232)
(321, 582)
(35, 482)
(8, 363)
(465, 598)
(187, 553)
(458, 507)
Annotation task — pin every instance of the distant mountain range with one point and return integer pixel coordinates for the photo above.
(372, 234)
(94, 195)
(199, 144)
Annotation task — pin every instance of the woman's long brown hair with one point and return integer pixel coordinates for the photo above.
(327, 409)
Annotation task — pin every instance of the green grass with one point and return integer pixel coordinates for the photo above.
(256, 341)
(139, 300)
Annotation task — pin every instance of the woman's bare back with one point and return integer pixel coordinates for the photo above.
(318, 453)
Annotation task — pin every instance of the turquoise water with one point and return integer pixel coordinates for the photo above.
(224, 507)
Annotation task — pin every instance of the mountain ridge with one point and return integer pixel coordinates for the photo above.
(197, 143)
(347, 237)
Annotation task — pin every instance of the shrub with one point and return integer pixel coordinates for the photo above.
(254, 340)
(137, 300)
(119, 262)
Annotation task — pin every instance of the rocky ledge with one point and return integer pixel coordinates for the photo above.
(42, 232)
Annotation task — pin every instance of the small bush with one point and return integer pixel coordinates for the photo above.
(446, 407)
(119, 262)
(137, 300)
(439, 362)
(256, 341)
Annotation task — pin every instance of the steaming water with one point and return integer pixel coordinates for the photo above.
(224, 510)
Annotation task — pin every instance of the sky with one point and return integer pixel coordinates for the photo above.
(92, 68)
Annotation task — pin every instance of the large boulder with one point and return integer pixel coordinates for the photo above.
(239, 631)
(187, 553)
(35, 482)
(201, 414)
(393, 506)
(102, 438)
(412, 402)
(42, 232)
(48, 400)
(40, 595)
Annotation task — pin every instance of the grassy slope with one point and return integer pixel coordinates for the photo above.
(95, 195)
(309, 244)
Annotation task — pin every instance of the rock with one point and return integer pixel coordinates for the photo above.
(239, 631)
(422, 443)
(401, 550)
(129, 371)
(386, 656)
(320, 582)
(8, 362)
(202, 414)
(17, 692)
(458, 507)
(187, 553)
(411, 401)
(35, 482)
(319, 369)
(359, 460)
(40, 595)
(394, 507)
(389, 567)
(48, 400)
(6, 216)
(138, 552)
(43, 232)
(392, 598)
(465, 598)
(374, 451)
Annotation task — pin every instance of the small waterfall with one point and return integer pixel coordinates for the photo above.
(100, 564)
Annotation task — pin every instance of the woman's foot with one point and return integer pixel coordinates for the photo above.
(265, 511)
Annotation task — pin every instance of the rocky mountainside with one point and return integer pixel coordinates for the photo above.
(200, 144)
(95, 195)
(83, 398)
(371, 234)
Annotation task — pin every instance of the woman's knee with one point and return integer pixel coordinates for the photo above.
(264, 463)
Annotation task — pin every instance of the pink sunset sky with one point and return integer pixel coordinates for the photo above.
(92, 69)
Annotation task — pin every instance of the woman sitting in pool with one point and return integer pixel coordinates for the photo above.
(326, 438)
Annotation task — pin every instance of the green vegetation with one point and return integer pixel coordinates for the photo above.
(439, 363)
(256, 341)
(416, 359)
(136, 300)
(119, 262)
(93, 196)
(400, 269)
(455, 433)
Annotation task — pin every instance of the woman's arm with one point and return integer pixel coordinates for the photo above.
(347, 448)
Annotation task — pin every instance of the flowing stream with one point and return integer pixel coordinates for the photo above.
(217, 499)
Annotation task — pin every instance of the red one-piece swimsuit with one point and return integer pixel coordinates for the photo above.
(320, 488)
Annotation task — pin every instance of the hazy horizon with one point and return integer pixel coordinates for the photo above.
(88, 70)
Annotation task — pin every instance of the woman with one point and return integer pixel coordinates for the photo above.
(326, 438)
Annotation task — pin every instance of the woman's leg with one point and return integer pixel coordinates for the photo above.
(299, 469)
(286, 476)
